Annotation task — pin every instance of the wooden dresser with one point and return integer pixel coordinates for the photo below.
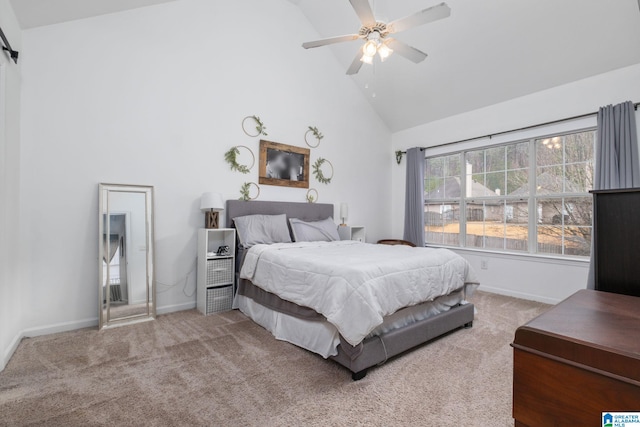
(577, 360)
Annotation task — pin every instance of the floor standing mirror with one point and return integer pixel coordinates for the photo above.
(126, 252)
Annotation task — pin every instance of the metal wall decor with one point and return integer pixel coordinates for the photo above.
(316, 134)
(258, 126)
(318, 172)
(312, 195)
(245, 191)
(231, 157)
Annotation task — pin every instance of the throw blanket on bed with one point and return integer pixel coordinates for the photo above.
(354, 285)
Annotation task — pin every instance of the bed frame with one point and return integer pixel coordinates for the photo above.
(375, 350)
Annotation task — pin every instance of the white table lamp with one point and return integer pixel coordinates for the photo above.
(212, 204)
(344, 213)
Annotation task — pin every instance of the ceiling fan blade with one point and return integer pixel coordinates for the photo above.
(355, 65)
(403, 49)
(331, 40)
(423, 17)
(364, 12)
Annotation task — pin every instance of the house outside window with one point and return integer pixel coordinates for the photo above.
(529, 196)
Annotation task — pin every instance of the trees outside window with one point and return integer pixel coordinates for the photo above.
(529, 196)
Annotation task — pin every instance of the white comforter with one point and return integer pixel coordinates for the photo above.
(354, 285)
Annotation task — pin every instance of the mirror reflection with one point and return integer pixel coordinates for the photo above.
(126, 254)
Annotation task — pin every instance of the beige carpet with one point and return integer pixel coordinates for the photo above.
(224, 370)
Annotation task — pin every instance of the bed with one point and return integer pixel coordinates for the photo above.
(355, 318)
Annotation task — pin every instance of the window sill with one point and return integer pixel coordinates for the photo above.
(582, 261)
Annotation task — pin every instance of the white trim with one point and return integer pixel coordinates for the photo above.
(532, 199)
(72, 326)
(59, 327)
(176, 307)
(10, 350)
(522, 256)
(515, 294)
(44, 330)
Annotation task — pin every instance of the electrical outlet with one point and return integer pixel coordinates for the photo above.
(484, 264)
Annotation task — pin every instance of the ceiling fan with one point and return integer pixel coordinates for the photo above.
(377, 34)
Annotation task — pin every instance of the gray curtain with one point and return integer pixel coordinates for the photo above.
(111, 247)
(116, 229)
(617, 162)
(414, 198)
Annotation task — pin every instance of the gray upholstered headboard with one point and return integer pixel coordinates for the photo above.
(303, 211)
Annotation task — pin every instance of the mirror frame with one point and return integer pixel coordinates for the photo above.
(105, 320)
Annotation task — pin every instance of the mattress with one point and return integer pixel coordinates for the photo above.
(355, 286)
(321, 337)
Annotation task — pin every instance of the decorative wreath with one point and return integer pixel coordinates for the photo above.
(260, 127)
(316, 133)
(310, 197)
(317, 171)
(231, 158)
(245, 191)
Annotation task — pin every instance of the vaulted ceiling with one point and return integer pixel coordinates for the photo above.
(36, 13)
(486, 52)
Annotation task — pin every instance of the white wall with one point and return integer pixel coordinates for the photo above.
(11, 291)
(156, 96)
(535, 278)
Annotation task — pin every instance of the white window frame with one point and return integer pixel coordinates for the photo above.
(587, 124)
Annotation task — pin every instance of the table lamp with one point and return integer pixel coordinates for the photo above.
(212, 204)
(344, 213)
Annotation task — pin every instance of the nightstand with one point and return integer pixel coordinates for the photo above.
(216, 273)
(352, 232)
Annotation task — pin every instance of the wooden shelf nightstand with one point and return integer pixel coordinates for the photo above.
(216, 273)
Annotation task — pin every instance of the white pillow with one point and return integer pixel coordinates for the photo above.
(262, 229)
(317, 231)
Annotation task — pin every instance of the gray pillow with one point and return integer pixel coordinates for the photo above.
(316, 231)
(262, 229)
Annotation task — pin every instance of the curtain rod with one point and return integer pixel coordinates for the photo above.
(12, 53)
(491, 135)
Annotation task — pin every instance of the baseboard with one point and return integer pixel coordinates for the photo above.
(10, 350)
(60, 327)
(176, 307)
(44, 330)
(73, 325)
(521, 295)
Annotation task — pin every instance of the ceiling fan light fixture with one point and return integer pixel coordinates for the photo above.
(376, 34)
(367, 59)
(384, 51)
(370, 48)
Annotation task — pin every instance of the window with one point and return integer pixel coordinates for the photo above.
(496, 198)
(529, 196)
(442, 192)
(564, 175)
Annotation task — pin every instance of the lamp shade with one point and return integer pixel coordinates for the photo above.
(344, 211)
(211, 201)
